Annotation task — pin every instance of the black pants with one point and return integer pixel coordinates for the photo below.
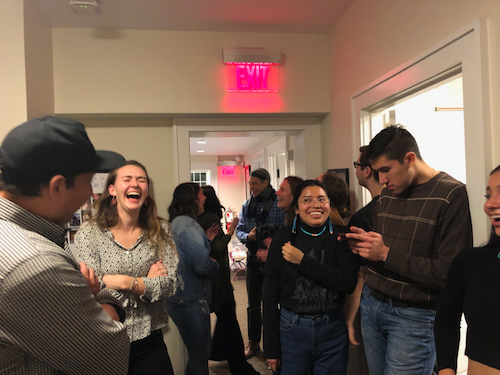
(228, 342)
(149, 356)
(255, 281)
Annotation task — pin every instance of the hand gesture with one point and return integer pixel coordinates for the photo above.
(262, 252)
(368, 245)
(232, 227)
(274, 365)
(352, 335)
(291, 253)
(157, 270)
(212, 231)
(252, 235)
(90, 278)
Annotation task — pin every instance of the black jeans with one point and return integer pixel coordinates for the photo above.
(255, 280)
(149, 356)
(228, 342)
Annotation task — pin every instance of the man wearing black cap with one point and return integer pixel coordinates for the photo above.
(259, 218)
(51, 317)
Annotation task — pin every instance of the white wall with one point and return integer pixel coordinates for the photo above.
(149, 141)
(145, 71)
(374, 37)
(39, 70)
(13, 108)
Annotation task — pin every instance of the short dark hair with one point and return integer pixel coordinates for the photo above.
(185, 201)
(365, 162)
(25, 189)
(338, 192)
(262, 174)
(394, 143)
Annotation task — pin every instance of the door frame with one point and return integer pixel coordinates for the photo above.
(464, 51)
(308, 124)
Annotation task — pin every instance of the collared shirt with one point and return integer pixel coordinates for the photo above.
(99, 250)
(276, 217)
(49, 321)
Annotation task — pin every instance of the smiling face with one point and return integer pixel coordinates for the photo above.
(398, 177)
(256, 185)
(313, 214)
(130, 188)
(492, 204)
(284, 195)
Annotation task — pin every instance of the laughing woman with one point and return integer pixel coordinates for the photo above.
(308, 272)
(473, 288)
(132, 251)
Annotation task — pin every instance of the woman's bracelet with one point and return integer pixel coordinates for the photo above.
(134, 283)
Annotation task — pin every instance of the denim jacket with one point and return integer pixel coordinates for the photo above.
(195, 265)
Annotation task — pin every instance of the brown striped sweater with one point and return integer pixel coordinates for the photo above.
(425, 227)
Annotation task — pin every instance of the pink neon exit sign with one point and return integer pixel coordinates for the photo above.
(252, 77)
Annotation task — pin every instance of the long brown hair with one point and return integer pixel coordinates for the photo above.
(149, 221)
(184, 201)
(294, 182)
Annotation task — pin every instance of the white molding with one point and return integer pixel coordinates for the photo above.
(466, 47)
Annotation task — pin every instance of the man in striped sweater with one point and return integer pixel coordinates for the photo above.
(421, 222)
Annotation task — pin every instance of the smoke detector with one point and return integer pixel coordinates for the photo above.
(85, 6)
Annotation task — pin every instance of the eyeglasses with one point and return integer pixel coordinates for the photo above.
(309, 201)
(356, 164)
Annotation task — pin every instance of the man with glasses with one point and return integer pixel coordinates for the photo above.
(363, 218)
(421, 222)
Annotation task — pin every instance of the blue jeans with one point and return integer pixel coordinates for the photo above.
(313, 344)
(193, 321)
(398, 340)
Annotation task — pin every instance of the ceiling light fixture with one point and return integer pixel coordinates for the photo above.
(85, 6)
(200, 150)
(202, 142)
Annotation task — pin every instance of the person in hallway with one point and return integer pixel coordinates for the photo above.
(421, 222)
(189, 308)
(308, 273)
(472, 288)
(132, 251)
(55, 318)
(285, 194)
(338, 191)
(363, 218)
(227, 342)
(259, 219)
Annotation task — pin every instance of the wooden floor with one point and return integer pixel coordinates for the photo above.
(258, 362)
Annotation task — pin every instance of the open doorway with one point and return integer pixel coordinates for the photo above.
(224, 160)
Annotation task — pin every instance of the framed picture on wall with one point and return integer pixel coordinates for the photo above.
(342, 173)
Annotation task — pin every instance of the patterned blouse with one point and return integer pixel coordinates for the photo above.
(99, 250)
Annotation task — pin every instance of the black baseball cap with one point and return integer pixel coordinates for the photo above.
(47, 146)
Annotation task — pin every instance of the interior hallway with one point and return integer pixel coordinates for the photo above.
(258, 362)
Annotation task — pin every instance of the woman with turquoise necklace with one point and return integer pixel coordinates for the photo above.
(308, 273)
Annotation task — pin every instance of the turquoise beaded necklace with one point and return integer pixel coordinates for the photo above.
(313, 234)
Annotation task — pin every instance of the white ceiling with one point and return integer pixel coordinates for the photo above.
(268, 16)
